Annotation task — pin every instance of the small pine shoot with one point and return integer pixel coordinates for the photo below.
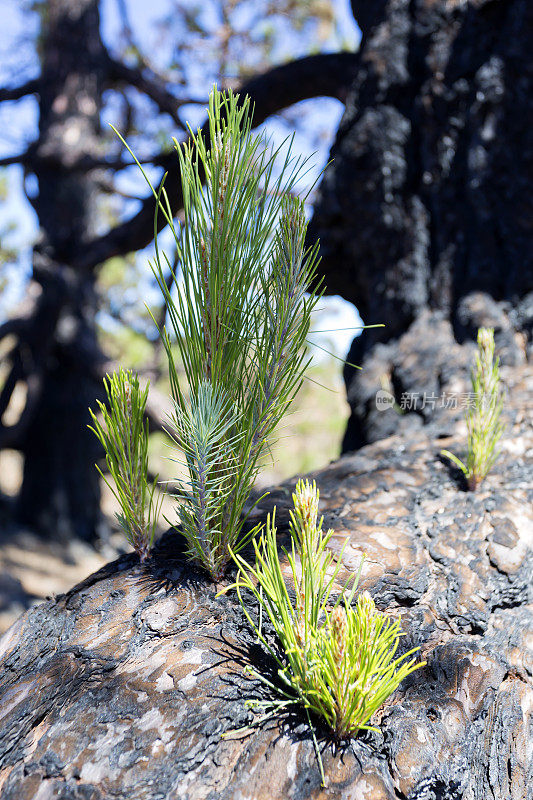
(483, 417)
(123, 433)
(339, 662)
(202, 429)
(240, 318)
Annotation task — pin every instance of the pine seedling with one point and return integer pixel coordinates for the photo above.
(202, 430)
(483, 417)
(240, 318)
(337, 661)
(123, 433)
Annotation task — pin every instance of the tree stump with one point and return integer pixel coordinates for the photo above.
(123, 686)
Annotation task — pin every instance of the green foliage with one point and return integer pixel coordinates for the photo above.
(483, 417)
(240, 319)
(124, 436)
(203, 430)
(337, 661)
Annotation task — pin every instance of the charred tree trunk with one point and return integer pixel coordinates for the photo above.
(425, 215)
(60, 492)
(126, 686)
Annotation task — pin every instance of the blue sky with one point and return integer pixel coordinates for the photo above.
(18, 123)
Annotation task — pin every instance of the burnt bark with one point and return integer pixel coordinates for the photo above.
(123, 686)
(426, 208)
(60, 493)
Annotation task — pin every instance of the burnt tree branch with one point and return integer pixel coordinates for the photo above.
(152, 86)
(329, 75)
(18, 92)
(17, 158)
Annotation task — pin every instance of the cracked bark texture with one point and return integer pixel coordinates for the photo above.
(426, 206)
(123, 686)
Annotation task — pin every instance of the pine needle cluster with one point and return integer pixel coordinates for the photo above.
(483, 417)
(123, 433)
(337, 660)
(240, 318)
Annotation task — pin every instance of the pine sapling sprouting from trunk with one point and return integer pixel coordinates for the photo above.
(335, 659)
(123, 433)
(239, 319)
(483, 416)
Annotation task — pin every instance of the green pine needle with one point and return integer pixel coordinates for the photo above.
(483, 417)
(123, 433)
(240, 318)
(339, 662)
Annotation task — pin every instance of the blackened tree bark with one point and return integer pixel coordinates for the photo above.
(425, 215)
(60, 492)
(123, 686)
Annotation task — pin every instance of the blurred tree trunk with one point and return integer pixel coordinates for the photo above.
(426, 210)
(60, 492)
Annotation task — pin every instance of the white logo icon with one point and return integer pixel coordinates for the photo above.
(384, 400)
